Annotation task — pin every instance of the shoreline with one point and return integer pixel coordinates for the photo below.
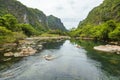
(27, 46)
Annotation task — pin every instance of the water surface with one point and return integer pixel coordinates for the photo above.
(71, 63)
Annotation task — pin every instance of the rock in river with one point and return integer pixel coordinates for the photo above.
(108, 48)
(25, 52)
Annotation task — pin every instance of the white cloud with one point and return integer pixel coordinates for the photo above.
(70, 11)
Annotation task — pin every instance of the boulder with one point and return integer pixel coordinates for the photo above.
(25, 52)
(108, 48)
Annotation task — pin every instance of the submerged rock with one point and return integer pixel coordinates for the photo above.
(108, 48)
(49, 57)
(78, 46)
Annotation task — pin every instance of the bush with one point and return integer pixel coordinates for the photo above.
(19, 35)
(58, 32)
(6, 35)
(28, 30)
(4, 31)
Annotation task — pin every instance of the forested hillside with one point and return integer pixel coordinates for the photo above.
(23, 14)
(11, 29)
(34, 17)
(102, 23)
(18, 21)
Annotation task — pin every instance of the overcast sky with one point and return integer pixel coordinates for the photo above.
(71, 12)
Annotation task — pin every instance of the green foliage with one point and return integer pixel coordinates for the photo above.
(4, 31)
(11, 30)
(109, 30)
(75, 33)
(14, 15)
(18, 35)
(37, 19)
(34, 17)
(115, 34)
(102, 31)
(10, 22)
(5, 35)
(108, 10)
(49, 35)
(102, 22)
(28, 30)
(55, 23)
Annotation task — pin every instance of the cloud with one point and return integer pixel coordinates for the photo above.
(70, 11)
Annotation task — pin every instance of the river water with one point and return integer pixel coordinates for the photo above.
(70, 63)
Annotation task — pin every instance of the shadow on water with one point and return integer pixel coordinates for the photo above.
(71, 63)
(4, 64)
(53, 45)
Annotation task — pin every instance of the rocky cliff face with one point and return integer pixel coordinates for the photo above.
(24, 14)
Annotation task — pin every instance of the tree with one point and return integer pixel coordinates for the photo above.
(5, 35)
(10, 22)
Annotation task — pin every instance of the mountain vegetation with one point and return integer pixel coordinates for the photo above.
(18, 21)
(55, 23)
(102, 23)
(34, 17)
(11, 29)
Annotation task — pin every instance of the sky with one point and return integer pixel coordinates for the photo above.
(71, 12)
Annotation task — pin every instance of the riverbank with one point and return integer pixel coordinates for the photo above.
(108, 48)
(28, 46)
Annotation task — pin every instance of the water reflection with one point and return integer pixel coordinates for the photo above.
(72, 63)
(110, 62)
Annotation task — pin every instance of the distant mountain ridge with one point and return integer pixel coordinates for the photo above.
(24, 14)
(55, 23)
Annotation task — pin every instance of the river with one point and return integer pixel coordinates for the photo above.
(70, 63)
